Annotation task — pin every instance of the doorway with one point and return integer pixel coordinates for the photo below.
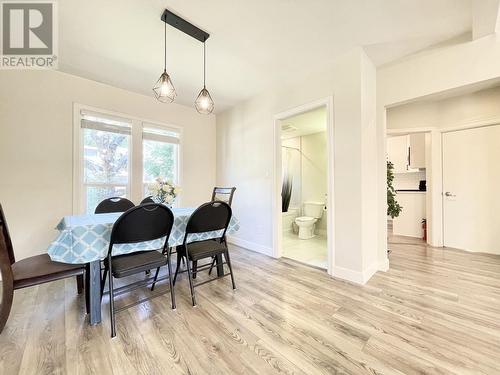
(303, 183)
(471, 203)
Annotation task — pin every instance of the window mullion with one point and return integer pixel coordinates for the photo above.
(135, 165)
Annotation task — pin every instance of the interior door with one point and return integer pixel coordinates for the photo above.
(471, 189)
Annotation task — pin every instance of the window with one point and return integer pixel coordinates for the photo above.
(160, 155)
(108, 161)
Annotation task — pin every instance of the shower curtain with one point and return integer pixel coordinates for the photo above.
(287, 179)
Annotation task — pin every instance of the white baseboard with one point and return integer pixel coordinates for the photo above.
(356, 277)
(383, 265)
(348, 275)
(249, 245)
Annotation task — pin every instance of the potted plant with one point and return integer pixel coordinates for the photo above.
(393, 207)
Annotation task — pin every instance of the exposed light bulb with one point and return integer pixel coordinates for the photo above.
(164, 89)
(204, 103)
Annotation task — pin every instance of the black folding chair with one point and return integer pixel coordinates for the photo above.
(211, 216)
(115, 204)
(112, 205)
(147, 200)
(139, 224)
(223, 194)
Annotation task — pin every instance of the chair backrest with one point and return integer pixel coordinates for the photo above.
(147, 200)
(141, 223)
(224, 194)
(5, 240)
(115, 204)
(211, 216)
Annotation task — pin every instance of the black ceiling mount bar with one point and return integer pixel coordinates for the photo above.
(186, 27)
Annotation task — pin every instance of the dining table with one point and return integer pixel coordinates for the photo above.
(84, 239)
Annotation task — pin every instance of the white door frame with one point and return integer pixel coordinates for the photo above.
(436, 222)
(433, 164)
(276, 193)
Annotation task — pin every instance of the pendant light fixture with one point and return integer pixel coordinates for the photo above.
(164, 89)
(204, 103)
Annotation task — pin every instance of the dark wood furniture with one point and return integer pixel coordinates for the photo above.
(114, 204)
(142, 223)
(211, 216)
(35, 270)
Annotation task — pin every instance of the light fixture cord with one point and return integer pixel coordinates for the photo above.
(165, 47)
(204, 63)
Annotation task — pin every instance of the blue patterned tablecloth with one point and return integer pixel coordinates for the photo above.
(85, 238)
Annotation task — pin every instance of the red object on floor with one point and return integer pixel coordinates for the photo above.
(424, 227)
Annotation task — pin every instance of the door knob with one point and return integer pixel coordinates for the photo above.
(448, 194)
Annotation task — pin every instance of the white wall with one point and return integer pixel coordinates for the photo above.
(315, 171)
(245, 159)
(408, 180)
(446, 113)
(36, 143)
(310, 169)
(427, 73)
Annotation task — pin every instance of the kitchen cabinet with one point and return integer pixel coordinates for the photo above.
(406, 152)
(409, 221)
(397, 152)
(417, 151)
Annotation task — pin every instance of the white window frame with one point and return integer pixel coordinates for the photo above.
(135, 187)
(162, 138)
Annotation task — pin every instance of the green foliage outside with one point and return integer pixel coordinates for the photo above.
(107, 158)
(159, 160)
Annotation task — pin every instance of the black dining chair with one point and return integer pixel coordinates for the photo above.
(114, 204)
(31, 271)
(224, 194)
(211, 216)
(142, 223)
(147, 200)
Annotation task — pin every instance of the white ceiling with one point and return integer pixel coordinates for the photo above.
(253, 44)
(310, 122)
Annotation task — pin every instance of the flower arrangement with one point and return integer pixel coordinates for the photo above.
(163, 191)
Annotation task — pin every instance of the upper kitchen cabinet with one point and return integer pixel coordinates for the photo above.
(397, 152)
(417, 151)
(406, 152)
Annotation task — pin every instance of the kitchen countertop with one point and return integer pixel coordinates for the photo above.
(410, 191)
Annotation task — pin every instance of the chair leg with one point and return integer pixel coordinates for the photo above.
(79, 284)
(228, 261)
(172, 292)
(212, 266)
(156, 277)
(195, 268)
(177, 268)
(112, 306)
(7, 296)
(103, 281)
(193, 298)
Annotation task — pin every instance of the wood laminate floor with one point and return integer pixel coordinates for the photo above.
(436, 311)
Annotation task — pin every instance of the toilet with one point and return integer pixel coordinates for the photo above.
(307, 223)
